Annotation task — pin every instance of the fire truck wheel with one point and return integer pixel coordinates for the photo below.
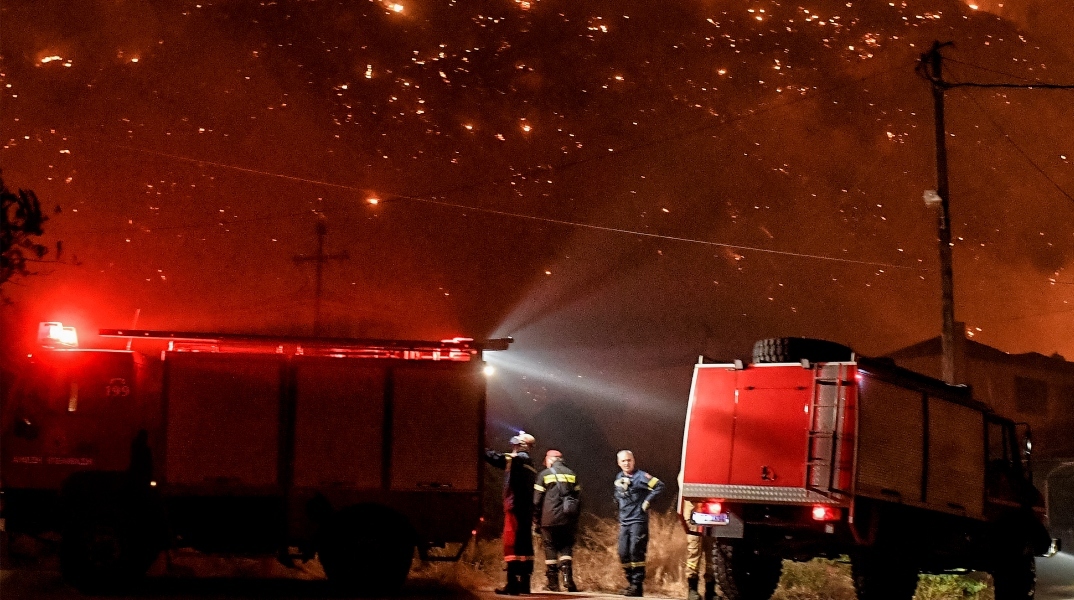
(745, 573)
(1015, 578)
(101, 555)
(883, 575)
(367, 550)
(110, 537)
(782, 350)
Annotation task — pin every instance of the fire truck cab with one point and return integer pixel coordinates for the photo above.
(249, 445)
(812, 451)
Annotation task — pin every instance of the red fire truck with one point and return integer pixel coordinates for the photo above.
(812, 451)
(247, 445)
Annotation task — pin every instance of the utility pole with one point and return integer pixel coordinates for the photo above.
(320, 258)
(931, 67)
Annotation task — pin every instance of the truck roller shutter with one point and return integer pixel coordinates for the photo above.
(223, 420)
(956, 459)
(339, 422)
(890, 441)
(436, 421)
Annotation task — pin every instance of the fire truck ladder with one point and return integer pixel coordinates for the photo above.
(827, 407)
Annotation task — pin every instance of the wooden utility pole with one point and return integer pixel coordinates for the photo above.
(320, 258)
(931, 67)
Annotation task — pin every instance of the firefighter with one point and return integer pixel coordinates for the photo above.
(519, 478)
(699, 549)
(634, 493)
(555, 513)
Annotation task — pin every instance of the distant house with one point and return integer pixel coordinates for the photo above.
(1030, 388)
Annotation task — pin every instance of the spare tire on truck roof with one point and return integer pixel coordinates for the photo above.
(795, 349)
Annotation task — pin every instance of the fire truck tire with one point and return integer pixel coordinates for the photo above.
(101, 555)
(745, 573)
(109, 539)
(883, 575)
(366, 550)
(782, 350)
(1015, 578)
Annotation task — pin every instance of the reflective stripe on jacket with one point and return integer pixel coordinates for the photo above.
(548, 494)
(631, 494)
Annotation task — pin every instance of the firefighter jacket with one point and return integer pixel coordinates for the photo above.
(519, 477)
(552, 485)
(633, 495)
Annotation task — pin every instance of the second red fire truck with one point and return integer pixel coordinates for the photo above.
(247, 445)
(812, 451)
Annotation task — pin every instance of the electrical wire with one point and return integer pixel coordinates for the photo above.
(431, 198)
(1015, 145)
(1031, 82)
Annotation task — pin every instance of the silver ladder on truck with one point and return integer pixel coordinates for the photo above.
(828, 410)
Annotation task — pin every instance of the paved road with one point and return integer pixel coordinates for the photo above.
(1055, 577)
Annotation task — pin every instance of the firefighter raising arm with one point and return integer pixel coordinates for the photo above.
(519, 479)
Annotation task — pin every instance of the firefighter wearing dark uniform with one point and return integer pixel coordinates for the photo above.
(558, 526)
(519, 478)
(634, 492)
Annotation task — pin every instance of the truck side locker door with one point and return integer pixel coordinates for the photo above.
(223, 415)
(891, 451)
(710, 424)
(439, 405)
(339, 422)
(771, 427)
(956, 465)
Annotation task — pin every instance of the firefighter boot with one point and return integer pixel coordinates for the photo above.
(568, 576)
(691, 585)
(552, 573)
(637, 580)
(524, 572)
(629, 571)
(710, 589)
(511, 589)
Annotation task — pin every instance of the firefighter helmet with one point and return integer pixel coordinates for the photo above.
(523, 439)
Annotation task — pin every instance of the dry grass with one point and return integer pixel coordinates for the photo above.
(597, 568)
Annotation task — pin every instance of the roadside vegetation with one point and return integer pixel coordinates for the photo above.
(597, 568)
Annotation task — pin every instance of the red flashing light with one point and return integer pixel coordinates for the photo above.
(55, 335)
(457, 340)
(826, 512)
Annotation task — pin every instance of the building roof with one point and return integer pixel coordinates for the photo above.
(982, 352)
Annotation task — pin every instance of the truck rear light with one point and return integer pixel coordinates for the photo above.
(709, 507)
(710, 512)
(826, 512)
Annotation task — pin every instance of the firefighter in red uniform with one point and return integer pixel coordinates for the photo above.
(519, 477)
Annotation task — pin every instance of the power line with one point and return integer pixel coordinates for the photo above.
(1032, 82)
(431, 198)
(657, 235)
(1018, 148)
